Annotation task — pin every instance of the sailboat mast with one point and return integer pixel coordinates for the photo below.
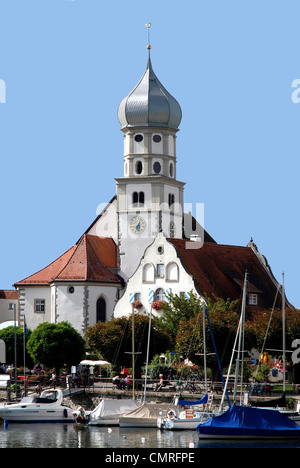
(133, 355)
(283, 331)
(241, 342)
(204, 348)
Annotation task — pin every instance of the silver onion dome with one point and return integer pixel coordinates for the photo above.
(149, 104)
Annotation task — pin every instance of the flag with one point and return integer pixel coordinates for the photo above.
(150, 295)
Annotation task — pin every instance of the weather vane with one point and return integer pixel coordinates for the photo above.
(148, 26)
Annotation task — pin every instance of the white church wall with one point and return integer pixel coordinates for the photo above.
(35, 304)
(170, 277)
(109, 294)
(106, 225)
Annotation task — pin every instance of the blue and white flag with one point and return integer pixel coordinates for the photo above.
(131, 298)
(188, 295)
(150, 295)
(167, 295)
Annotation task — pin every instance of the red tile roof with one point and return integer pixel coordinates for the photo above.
(219, 270)
(8, 294)
(89, 260)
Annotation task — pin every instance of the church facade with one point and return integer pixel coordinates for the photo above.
(142, 245)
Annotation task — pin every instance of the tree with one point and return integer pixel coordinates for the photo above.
(113, 340)
(8, 335)
(56, 345)
(179, 309)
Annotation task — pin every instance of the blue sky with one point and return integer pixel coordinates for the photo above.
(67, 64)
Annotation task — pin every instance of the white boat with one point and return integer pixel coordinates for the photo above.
(186, 419)
(45, 408)
(146, 415)
(109, 411)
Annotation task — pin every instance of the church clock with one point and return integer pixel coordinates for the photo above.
(137, 225)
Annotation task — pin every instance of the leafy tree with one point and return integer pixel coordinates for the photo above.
(179, 309)
(8, 335)
(189, 339)
(56, 345)
(113, 340)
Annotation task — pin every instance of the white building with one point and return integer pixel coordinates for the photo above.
(140, 243)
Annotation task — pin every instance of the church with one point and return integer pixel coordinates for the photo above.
(143, 246)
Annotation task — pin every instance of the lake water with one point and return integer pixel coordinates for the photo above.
(75, 436)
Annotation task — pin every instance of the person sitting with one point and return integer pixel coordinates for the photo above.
(160, 384)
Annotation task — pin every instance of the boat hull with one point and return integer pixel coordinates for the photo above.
(35, 415)
(138, 422)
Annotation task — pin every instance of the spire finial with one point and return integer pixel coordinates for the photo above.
(148, 25)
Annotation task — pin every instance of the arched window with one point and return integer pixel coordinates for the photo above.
(141, 198)
(138, 198)
(148, 273)
(171, 200)
(135, 198)
(159, 295)
(172, 272)
(101, 310)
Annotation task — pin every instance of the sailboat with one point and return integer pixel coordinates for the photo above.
(243, 422)
(189, 417)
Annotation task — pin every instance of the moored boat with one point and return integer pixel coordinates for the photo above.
(45, 408)
(243, 422)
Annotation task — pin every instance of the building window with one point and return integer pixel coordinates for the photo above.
(157, 167)
(139, 167)
(160, 270)
(159, 295)
(138, 138)
(138, 198)
(157, 138)
(137, 296)
(101, 310)
(71, 289)
(171, 200)
(253, 300)
(171, 170)
(39, 305)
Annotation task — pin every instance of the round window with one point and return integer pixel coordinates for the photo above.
(71, 289)
(139, 138)
(138, 167)
(156, 167)
(157, 138)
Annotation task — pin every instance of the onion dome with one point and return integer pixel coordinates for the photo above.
(149, 104)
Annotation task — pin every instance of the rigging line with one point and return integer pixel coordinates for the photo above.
(268, 326)
(118, 347)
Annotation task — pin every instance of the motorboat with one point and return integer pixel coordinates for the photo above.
(109, 411)
(244, 422)
(48, 407)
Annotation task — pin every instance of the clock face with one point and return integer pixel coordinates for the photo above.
(137, 224)
(172, 229)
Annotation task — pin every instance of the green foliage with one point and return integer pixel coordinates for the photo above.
(179, 309)
(113, 340)
(56, 345)
(7, 335)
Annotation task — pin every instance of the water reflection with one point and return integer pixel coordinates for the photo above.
(74, 436)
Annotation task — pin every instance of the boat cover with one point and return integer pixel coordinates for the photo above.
(112, 409)
(150, 410)
(248, 421)
(202, 401)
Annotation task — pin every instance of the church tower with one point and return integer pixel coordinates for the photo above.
(149, 197)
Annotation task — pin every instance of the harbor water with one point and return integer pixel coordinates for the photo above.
(70, 435)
